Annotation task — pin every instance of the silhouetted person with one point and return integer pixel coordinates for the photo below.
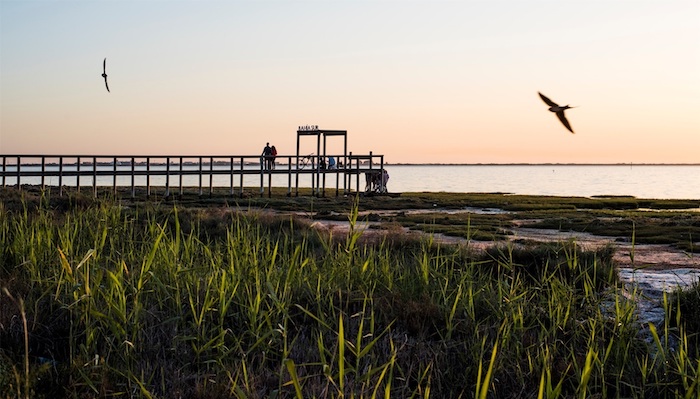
(267, 156)
(273, 155)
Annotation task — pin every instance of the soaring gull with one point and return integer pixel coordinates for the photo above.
(557, 109)
(104, 73)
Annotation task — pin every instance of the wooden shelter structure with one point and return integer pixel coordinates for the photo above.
(320, 159)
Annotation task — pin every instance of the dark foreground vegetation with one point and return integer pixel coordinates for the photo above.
(209, 298)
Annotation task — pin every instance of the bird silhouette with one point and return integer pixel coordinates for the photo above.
(557, 109)
(104, 73)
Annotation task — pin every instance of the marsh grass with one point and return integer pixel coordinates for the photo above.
(675, 222)
(686, 302)
(158, 300)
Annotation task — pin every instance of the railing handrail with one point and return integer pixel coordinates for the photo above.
(87, 156)
(86, 159)
(14, 166)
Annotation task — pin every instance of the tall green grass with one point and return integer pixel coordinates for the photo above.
(101, 300)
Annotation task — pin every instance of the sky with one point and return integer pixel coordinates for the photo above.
(415, 81)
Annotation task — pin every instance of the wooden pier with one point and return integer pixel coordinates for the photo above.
(179, 173)
(176, 173)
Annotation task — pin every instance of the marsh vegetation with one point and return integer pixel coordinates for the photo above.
(213, 297)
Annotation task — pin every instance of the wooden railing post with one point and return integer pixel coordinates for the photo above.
(133, 177)
(94, 176)
(167, 177)
(230, 165)
(148, 176)
(199, 167)
(262, 177)
(211, 175)
(114, 177)
(77, 174)
(43, 171)
(289, 177)
(180, 174)
(60, 176)
(241, 189)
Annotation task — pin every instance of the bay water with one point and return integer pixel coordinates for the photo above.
(641, 181)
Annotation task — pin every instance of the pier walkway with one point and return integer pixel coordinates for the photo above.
(175, 174)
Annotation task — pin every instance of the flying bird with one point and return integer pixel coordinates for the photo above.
(557, 109)
(104, 73)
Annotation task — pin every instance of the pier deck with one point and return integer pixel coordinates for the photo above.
(179, 173)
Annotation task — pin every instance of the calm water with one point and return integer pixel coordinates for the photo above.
(642, 181)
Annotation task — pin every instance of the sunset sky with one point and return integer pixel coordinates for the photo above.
(416, 81)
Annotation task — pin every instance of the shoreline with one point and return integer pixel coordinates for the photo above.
(537, 164)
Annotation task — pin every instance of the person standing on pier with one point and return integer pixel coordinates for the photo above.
(267, 156)
(273, 155)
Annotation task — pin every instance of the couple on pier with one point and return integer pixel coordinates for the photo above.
(269, 154)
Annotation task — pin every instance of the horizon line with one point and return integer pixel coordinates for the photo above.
(542, 164)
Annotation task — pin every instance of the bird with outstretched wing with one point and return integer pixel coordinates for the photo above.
(557, 109)
(104, 73)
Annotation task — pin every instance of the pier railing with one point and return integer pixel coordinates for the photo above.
(175, 174)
